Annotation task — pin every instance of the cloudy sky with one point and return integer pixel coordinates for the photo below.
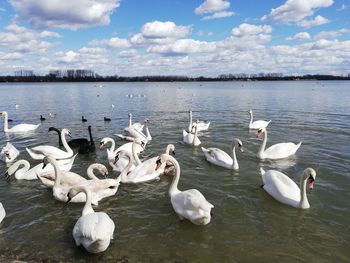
(176, 37)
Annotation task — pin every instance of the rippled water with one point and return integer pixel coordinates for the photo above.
(247, 224)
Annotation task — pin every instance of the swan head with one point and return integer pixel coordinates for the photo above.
(73, 192)
(309, 174)
(238, 143)
(170, 148)
(53, 129)
(65, 131)
(3, 113)
(260, 132)
(130, 114)
(102, 169)
(140, 142)
(120, 155)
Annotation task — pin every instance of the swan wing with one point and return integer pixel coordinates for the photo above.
(39, 152)
(203, 126)
(146, 171)
(281, 187)
(281, 150)
(24, 127)
(9, 153)
(259, 124)
(218, 157)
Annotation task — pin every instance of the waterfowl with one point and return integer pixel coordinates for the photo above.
(24, 127)
(256, 124)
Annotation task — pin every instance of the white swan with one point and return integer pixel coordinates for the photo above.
(257, 124)
(27, 173)
(189, 204)
(19, 127)
(201, 125)
(2, 212)
(276, 151)
(190, 138)
(111, 152)
(93, 230)
(221, 158)
(9, 153)
(285, 190)
(148, 170)
(39, 152)
(138, 126)
(69, 179)
(131, 133)
(99, 188)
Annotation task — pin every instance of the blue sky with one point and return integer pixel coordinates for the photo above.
(175, 37)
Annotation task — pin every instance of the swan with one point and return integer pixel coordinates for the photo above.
(257, 124)
(190, 138)
(131, 133)
(93, 230)
(69, 179)
(27, 173)
(2, 212)
(111, 152)
(39, 152)
(19, 127)
(146, 171)
(84, 144)
(189, 204)
(138, 126)
(9, 153)
(201, 125)
(221, 158)
(285, 190)
(276, 151)
(99, 188)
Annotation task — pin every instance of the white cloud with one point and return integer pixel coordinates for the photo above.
(219, 15)
(343, 7)
(158, 29)
(65, 13)
(249, 29)
(295, 11)
(331, 34)
(11, 56)
(211, 6)
(83, 58)
(317, 21)
(113, 42)
(183, 46)
(300, 36)
(67, 57)
(128, 53)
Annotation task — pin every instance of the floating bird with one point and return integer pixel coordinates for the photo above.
(106, 119)
(42, 118)
(83, 119)
(19, 127)
(285, 190)
(260, 124)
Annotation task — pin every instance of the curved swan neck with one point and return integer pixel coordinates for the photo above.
(65, 144)
(123, 175)
(57, 170)
(251, 117)
(21, 171)
(134, 154)
(234, 158)
(148, 134)
(304, 202)
(173, 187)
(263, 145)
(90, 171)
(190, 124)
(107, 140)
(87, 207)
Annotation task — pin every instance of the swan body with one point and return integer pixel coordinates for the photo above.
(39, 152)
(285, 190)
(111, 153)
(24, 127)
(257, 124)
(2, 212)
(9, 153)
(189, 204)
(138, 126)
(27, 173)
(131, 133)
(146, 171)
(276, 151)
(99, 188)
(219, 157)
(190, 138)
(93, 230)
(201, 125)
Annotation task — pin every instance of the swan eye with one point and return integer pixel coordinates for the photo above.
(311, 178)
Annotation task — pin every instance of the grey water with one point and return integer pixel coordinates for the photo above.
(247, 224)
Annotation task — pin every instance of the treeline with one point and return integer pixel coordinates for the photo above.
(97, 78)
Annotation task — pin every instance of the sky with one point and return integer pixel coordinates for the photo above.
(176, 37)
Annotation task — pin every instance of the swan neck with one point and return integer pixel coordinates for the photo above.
(190, 124)
(148, 134)
(173, 187)
(195, 134)
(234, 158)
(6, 125)
(263, 145)
(304, 202)
(87, 207)
(23, 170)
(65, 144)
(251, 117)
(123, 175)
(130, 121)
(107, 140)
(134, 154)
(57, 173)
(91, 139)
(90, 172)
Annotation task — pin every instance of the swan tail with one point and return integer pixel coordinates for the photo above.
(262, 171)
(34, 155)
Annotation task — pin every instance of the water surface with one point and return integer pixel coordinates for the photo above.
(247, 224)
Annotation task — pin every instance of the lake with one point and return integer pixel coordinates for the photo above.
(247, 224)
